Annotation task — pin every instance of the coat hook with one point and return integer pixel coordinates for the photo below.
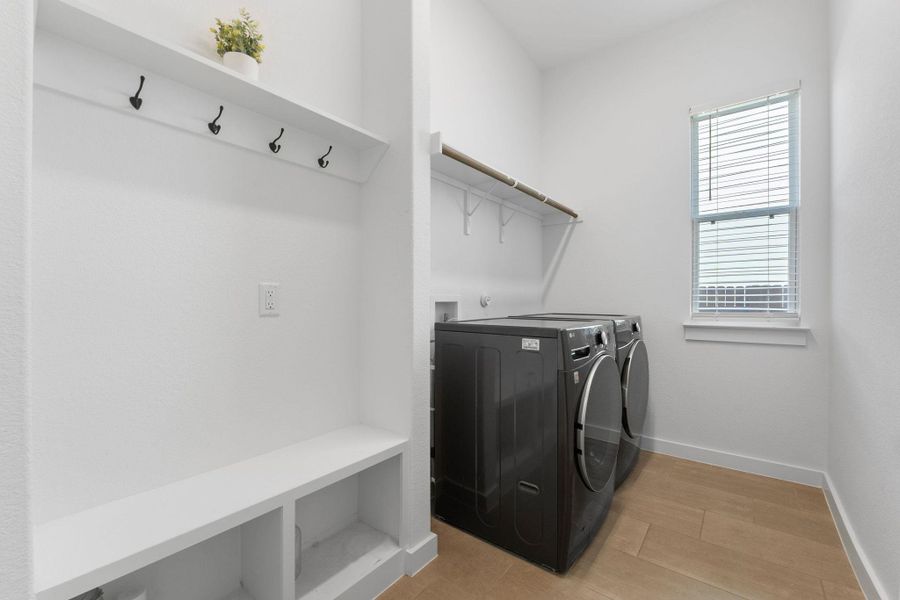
(322, 162)
(213, 127)
(276, 147)
(136, 100)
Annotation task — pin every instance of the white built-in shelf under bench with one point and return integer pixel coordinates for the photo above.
(84, 54)
(342, 489)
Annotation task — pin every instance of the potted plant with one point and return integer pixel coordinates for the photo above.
(239, 43)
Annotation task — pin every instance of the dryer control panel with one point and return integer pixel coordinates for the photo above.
(580, 344)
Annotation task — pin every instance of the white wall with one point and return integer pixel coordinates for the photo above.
(864, 441)
(617, 143)
(16, 38)
(469, 266)
(150, 362)
(395, 254)
(485, 90)
(313, 49)
(486, 101)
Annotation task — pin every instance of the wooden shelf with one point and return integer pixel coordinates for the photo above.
(468, 171)
(335, 565)
(83, 25)
(93, 547)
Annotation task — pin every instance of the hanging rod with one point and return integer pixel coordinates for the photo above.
(502, 177)
(463, 187)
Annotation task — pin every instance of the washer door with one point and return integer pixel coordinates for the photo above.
(599, 424)
(635, 390)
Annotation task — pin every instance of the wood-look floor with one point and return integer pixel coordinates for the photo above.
(677, 530)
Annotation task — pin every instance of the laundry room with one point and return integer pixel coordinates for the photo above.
(412, 299)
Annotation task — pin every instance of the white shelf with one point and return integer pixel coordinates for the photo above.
(90, 548)
(339, 563)
(83, 25)
(468, 176)
(747, 332)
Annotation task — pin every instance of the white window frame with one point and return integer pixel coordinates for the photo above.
(792, 209)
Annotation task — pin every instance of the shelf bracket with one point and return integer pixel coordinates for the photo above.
(504, 223)
(468, 212)
(467, 224)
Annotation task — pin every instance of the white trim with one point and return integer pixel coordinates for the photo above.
(747, 464)
(749, 95)
(415, 559)
(419, 555)
(872, 588)
(746, 333)
(375, 582)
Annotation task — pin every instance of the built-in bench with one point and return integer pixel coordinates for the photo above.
(354, 526)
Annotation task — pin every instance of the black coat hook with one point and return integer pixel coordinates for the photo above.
(213, 127)
(322, 162)
(136, 99)
(276, 147)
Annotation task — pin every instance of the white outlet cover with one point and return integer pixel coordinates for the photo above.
(269, 302)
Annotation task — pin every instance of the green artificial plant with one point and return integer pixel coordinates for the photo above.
(240, 35)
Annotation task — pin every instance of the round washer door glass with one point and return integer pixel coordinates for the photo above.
(636, 389)
(599, 424)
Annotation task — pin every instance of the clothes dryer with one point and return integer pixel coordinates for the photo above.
(634, 367)
(528, 420)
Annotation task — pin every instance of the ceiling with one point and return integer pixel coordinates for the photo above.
(554, 31)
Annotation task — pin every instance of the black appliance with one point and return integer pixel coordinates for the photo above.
(527, 424)
(634, 367)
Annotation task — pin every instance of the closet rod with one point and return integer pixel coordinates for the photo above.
(506, 179)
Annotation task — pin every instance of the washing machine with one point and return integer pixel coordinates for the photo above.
(528, 417)
(634, 367)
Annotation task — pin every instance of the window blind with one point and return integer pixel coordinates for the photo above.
(745, 195)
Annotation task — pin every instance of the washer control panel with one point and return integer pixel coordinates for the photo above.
(583, 343)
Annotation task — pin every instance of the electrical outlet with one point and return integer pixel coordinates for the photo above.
(268, 299)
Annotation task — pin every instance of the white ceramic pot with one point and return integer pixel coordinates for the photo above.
(243, 64)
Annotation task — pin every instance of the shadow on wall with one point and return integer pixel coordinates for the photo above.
(127, 152)
(556, 241)
(467, 267)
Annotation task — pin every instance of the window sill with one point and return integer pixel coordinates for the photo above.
(742, 332)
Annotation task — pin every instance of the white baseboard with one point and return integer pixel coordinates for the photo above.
(415, 559)
(871, 586)
(377, 580)
(421, 554)
(748, 464)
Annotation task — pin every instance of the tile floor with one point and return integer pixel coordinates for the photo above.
(677, 530)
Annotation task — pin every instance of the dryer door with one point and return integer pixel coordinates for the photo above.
(599, 424)
(635, 390)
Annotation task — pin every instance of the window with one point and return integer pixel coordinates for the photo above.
(745, 194)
